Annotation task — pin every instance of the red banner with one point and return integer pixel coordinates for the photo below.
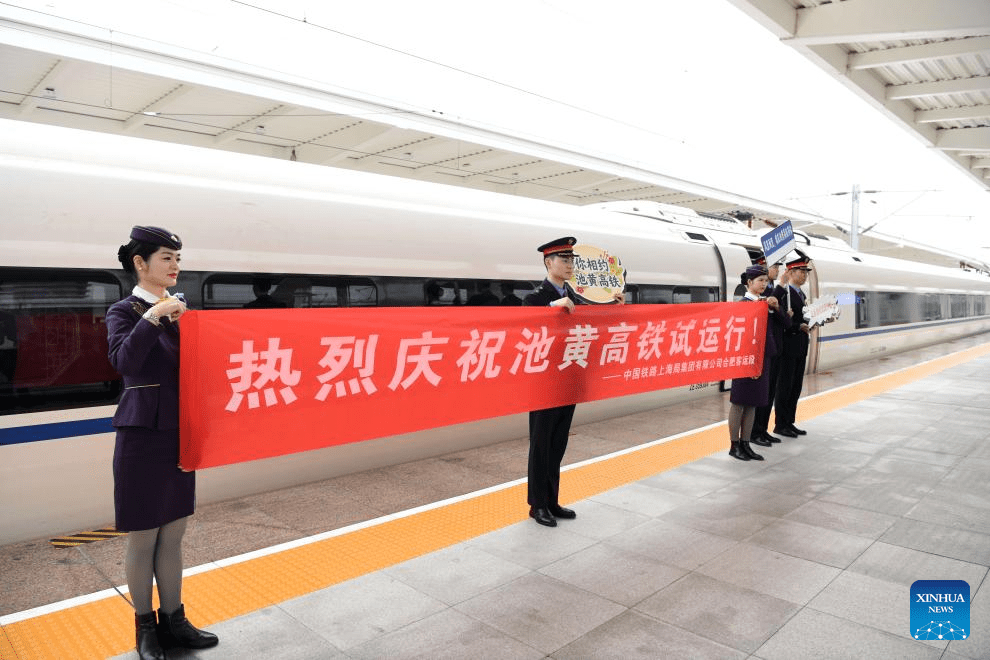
(261, 383)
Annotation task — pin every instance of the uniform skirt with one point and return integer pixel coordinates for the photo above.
(755, 391)
(149, 490)
(751, 391)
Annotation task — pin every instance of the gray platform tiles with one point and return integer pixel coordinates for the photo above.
(810, 554)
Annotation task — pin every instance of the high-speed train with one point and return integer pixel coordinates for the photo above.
(311, 236)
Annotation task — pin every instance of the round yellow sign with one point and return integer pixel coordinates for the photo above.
(598, 275)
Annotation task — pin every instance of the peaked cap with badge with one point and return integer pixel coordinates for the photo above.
(802, 262)
(563, 247)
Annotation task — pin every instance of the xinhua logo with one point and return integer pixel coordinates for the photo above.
(940, 609)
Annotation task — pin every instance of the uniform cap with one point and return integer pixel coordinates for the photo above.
(156, 236)
(754, 271)
(562, 246)
(802, 262)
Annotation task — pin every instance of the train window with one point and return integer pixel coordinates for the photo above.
(879, 308)
(362, 294)
(262, 291)
(895, 308)
(863, 302)
(444, 292)
(654, 294)
(695, 294)
(513, 292)
(401, 291)
(53, 338)
(931, 307)
(482, 293)
(414, 292)
(957, 306)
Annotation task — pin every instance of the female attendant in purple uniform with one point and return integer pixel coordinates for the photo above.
(153, 498)
(749, 393)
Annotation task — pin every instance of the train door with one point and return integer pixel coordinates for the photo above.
(813, 293)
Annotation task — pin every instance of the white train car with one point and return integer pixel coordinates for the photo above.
(317, 236)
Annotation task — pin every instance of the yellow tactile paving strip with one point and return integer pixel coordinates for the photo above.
(105, 628)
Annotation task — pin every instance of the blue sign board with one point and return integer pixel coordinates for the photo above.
(778, 242)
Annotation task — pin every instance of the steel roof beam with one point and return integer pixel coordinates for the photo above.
(967, 113)
(891, 20)
(964, 139)
(939, 87)
(922, 53)
(981, 163)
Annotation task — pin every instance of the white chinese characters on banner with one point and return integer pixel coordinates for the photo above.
(421, 360)
(617, 348)
(480, 355)
(680, 338)
(343, 352)
(276, 367)
(650, 341)
(533, 351)
(347, 367)
(578, 345)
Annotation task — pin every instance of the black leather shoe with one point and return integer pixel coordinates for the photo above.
(174, 630)
(560, 512)
(786, 432)
(736, 452)
(769, 438)
(543, 516)
(798, 431)
(746, 449)
(760, 441)
(148, 647)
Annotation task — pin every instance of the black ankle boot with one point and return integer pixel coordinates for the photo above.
(148, 647)
(736, 452)
(745, 449)
(174, 630)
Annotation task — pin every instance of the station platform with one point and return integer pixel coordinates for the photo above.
(678, 551)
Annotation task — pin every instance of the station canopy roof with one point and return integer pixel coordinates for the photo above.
(63, 74)
(925, 64)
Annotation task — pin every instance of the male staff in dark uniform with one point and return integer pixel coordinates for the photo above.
(778, 323)
(795, 351)
(548, 428)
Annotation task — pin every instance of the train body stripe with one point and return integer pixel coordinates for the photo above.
(34, 433)
(899, 328)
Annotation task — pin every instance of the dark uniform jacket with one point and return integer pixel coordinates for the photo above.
(147, 356)
(546, 294)
(779, 321)
(795, 339)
